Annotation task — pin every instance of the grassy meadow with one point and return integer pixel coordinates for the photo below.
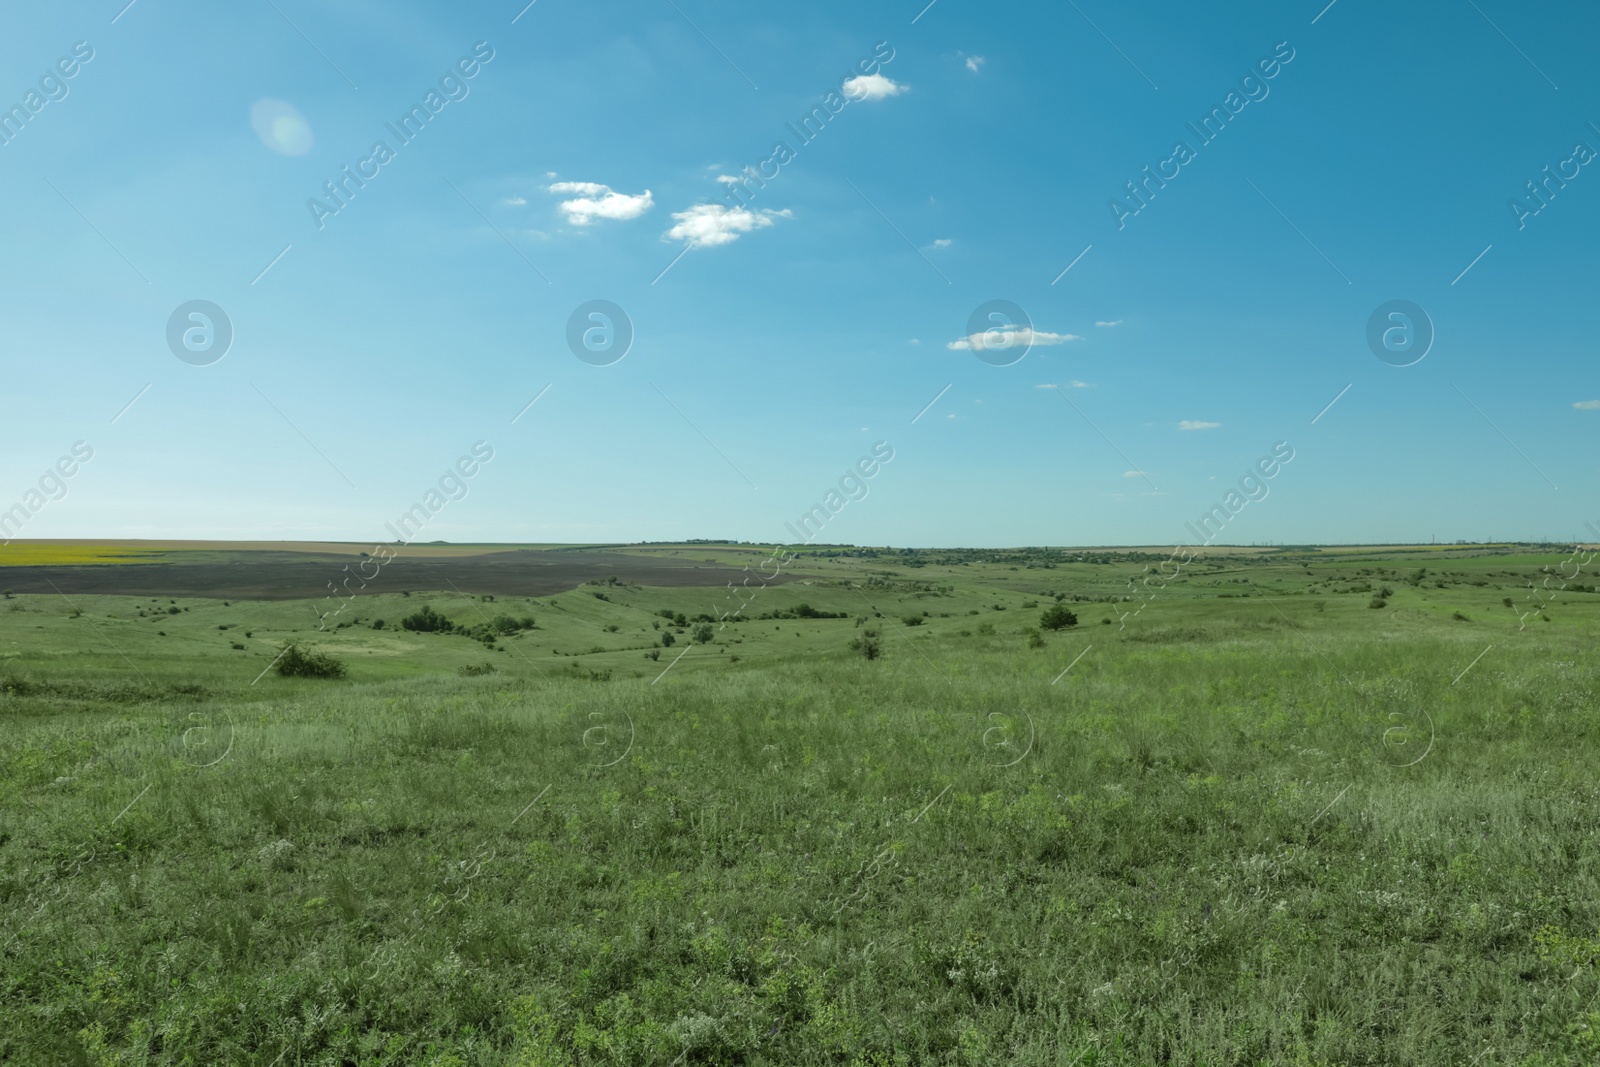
(1321, 808)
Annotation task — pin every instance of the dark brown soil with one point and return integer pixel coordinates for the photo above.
(297, 576)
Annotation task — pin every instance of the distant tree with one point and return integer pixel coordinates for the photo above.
(426, 620)
(703, 633)
(667, 640)
(1057, 617)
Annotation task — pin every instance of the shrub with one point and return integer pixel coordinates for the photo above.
(868, 644)
(294, 663)
(703, 633)
(1377, 602)
(1035, 638)
(667, 640)
(428, 621)
(377, 624)
(472, 670)
(654, 653)
(1460, 617)
(912, 620)
(803, 611)
(1057, 617)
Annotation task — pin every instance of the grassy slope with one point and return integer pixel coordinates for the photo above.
(1196, 847)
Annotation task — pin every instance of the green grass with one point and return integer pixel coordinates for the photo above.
(1274, 828)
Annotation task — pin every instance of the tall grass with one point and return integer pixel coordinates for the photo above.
(1239, 843)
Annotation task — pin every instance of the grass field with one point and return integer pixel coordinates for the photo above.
(1305, 807)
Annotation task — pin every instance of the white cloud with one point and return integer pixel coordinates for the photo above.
(1588, 405)
(873, 87)
(974, 62)
(1078, 385)
(596, 201)
(1190, 424)
(942, 242)
(1113, 322)
(728, 179)
(1133, 474)
(1006, 336)
(515, 201)
(914, 341)
(707, 225)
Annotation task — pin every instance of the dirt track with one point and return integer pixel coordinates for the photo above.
(296, 576)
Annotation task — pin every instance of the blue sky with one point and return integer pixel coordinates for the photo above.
(1377, 163)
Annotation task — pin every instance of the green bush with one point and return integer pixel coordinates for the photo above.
(667, 640)
(703, 633)
(869, 644)
(1057, 617)
(294, 663)
(428, 621)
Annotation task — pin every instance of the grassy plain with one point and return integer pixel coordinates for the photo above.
(1249, 819)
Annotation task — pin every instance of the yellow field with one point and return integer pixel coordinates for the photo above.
(72, 552)
(62, 554)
